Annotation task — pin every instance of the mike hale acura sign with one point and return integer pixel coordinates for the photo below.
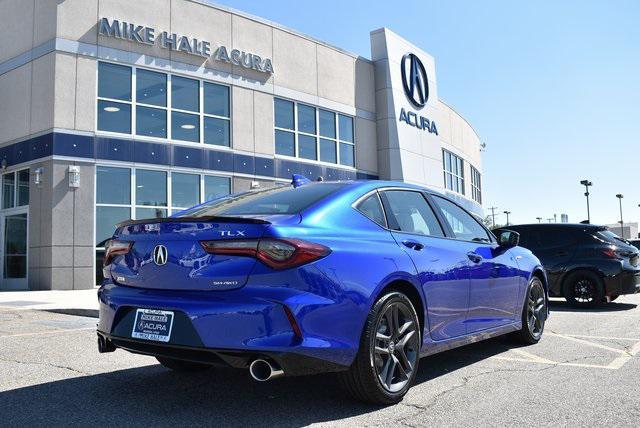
(181, 43)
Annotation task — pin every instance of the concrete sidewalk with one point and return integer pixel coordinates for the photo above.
(73, 302)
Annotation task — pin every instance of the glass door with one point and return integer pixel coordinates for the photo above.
(13, 250)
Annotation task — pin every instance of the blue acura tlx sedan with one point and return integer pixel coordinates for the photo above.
(361, 278)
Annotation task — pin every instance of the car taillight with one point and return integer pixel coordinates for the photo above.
(114, 248)
(611, 253)
(275, 253)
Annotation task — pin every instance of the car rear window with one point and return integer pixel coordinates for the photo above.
(277, 200)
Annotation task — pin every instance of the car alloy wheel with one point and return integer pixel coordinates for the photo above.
(584, 291)
(536, 309)
(395, 351)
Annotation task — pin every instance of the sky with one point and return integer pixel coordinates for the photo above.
(552, 88)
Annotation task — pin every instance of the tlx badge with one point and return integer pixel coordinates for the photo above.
(232, 233)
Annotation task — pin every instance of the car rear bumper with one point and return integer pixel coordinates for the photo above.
(626, 282)
(230, 328)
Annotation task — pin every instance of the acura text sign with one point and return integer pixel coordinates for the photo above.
(416, 87)
(181, 43)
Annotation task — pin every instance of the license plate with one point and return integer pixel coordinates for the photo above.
(152, 324)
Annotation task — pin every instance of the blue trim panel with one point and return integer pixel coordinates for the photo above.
(129, 150)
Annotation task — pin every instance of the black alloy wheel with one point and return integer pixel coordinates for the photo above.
(584, 289)
(387, 361)
(534, 313)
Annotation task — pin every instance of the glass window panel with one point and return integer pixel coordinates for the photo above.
(285, 144)
(8, 190)
(307, 147)
(185, 93)
(114, 117)
(113, 185)
(327, 124)
(114, 81)
(185, 190)
(345, 128)
(185, 126)
(215, 187)
(151, 87)
(142, 213)
(216, 99)
(151, 122)
(106, 220)
(23, 187)
(346, 154)
(371, 208)
(409, 212)
(464, 225)
(283, 113)
(151, 187)
(216, 131)
(328, 151)
(306, 119)
(15, 246)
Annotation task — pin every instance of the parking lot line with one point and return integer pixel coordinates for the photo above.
(623, 359)
(63, 330)
(631, 339)
(586, 342)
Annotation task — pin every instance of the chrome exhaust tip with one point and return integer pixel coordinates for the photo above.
(263, 370)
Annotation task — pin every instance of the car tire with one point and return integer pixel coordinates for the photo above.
(584, 289)
(534, 314)
(389, 350)
(612, 298)
(182, 366)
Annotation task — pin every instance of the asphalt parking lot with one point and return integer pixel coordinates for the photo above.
(585, 371)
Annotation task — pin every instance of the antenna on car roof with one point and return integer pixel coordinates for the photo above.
(298, 180)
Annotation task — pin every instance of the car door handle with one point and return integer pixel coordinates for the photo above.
(474, 257)
(414, 245)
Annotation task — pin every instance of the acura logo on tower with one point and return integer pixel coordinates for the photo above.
(414, 80)
(160, 255)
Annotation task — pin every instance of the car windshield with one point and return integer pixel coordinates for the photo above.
(277, 200)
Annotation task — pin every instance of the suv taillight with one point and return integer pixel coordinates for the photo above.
(114, 248)
(611, 253)
(275, 253)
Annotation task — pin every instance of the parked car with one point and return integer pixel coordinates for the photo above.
(361, 278)
(586, 264)
(635, 243)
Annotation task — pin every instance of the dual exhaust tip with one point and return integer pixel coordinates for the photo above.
(263, 370)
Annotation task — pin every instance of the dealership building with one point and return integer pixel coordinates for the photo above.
(118, 109)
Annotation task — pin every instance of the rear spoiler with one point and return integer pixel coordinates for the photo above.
(203, 219)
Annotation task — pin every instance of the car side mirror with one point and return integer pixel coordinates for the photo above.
(508, 238)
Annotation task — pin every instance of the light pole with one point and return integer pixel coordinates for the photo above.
(555, 218)
(620, 196)
(586, 184)
(540, 219)
(507, 213)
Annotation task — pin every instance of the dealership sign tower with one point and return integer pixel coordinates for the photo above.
(408, 115)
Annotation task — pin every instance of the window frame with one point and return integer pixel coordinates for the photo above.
(16, 189)
(133, 205)
(459, 178)
(356, 205)
(317, 136)
(168, 108)
(476, 184)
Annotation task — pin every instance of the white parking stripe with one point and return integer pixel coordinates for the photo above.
(47, 332)
(623, 359)
(586, 342)
(631, 339)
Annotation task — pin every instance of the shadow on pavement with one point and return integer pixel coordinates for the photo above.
(563, 306)
(153, 395)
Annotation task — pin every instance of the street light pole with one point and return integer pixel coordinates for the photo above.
(539, 219)
(555, 218)
(586, 184)
(507, 213)
(620, 196)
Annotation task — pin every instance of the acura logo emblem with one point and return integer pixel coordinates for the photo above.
(160, 255)
(414, 80)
